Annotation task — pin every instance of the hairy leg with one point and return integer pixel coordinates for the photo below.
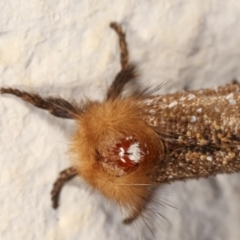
(122, 44)
(64, 176)
(235, 81)
(56, 106)
(132, 218)
(123, 77)
(127, 72)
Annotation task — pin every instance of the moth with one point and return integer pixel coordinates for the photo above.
(126, 145)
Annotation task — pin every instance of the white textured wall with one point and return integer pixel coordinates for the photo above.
(65, 47)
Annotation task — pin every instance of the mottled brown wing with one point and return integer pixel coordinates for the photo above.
(200, 131)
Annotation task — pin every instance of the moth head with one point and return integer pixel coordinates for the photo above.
(114, 150)
(123, 155)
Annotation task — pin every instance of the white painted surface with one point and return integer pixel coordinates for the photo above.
(66, 48)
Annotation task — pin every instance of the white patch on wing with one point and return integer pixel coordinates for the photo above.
(193, 119)
(230, 98)
(173, 104)
(191, 96)
(134, 152)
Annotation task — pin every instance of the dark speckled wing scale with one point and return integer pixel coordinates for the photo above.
(200, 130)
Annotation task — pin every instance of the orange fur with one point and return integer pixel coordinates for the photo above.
(99, 127)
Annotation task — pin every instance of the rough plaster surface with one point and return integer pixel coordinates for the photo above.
(65, 47)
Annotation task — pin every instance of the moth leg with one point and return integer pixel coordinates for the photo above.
(123, 77)
(64, 176)
(127, 72)
(132, 218)
(122, 44)
(235, 81)
(142, 208)
(56, 106)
